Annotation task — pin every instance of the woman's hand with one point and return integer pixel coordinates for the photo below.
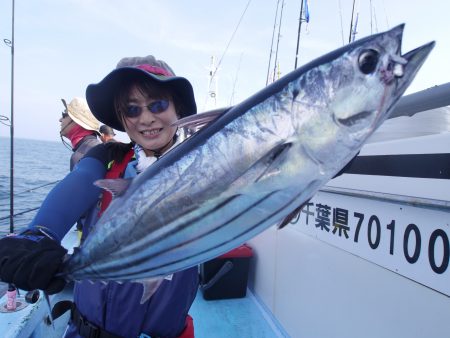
(30, 261)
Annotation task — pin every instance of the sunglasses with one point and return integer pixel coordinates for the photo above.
(156, 107)
(64, 115)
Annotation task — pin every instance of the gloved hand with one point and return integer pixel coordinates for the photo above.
(30, 261)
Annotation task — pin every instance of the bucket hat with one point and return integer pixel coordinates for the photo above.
(79, 112)
(100, 96)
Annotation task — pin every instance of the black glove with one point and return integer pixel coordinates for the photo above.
(30, 261)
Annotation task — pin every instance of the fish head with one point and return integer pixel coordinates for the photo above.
(358, 88)
(372, 76)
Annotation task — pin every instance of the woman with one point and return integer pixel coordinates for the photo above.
(142, 97)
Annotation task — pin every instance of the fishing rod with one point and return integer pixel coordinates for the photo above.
(353, 32)
(231, 39)
(33, 189)
(298, 34)
(11, 294)
(351, 23)
(342, 26)
(19, 213)
(10, 43)
(278, 43)
(271, 44)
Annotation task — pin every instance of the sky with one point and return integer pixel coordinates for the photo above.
(63, 46)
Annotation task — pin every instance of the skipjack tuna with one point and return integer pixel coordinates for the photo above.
(251, 166)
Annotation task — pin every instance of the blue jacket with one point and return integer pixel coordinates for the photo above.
(112, 306)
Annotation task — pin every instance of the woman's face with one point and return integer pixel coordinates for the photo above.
(151, 130)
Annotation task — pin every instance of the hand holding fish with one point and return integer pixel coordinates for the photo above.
(31, 260)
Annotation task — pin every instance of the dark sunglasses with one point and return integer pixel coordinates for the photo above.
(64, 115)
(156, 107)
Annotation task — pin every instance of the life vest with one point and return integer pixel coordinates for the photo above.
(116, 170)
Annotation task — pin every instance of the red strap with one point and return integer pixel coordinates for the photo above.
(116, 171)
(188, 331)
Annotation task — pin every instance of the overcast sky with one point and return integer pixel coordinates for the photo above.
(61, 46)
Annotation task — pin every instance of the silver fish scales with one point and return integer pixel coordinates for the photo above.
(251, 167)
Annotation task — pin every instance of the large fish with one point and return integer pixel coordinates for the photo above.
(251, 167)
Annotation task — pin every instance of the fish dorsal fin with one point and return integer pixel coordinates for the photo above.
(150, 286)
(115, 186)
(200, 120)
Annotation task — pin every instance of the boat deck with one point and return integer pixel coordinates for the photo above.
(240, 317)
(225, 318)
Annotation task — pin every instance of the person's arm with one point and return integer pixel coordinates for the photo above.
(31, 259)
(70, 198)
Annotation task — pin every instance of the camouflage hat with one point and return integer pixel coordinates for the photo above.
(100, 96)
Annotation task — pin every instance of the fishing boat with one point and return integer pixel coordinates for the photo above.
(367, 256)
(381, 268)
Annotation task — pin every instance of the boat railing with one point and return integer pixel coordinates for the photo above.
(387, 197)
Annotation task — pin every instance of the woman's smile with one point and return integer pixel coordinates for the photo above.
(153, 131)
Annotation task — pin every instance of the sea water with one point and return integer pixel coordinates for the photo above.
(38, 166)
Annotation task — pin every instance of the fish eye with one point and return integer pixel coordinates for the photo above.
(368, 60)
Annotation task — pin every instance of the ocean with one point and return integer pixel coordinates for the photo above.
(38, 166)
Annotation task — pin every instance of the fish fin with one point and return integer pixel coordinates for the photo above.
(150, 286)
(264, 167)
(200, 120)
(291, 216)
(115, 186)
(273, 159)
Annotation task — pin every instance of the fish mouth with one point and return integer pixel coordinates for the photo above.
(403, 69)
(414, 61)
(354, 119)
